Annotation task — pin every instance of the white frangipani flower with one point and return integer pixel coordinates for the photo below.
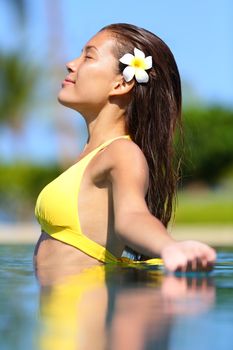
(137, 65)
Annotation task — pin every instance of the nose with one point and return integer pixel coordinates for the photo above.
(71, 66)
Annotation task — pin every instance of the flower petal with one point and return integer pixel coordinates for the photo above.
(138, 53)
(127, 58)
(148, 62)
(141, 75)
(128, 73)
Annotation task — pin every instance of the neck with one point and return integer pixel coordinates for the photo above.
(108, 124)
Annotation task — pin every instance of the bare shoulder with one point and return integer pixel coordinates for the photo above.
(127, 164)
(126, 153)
(123, 164)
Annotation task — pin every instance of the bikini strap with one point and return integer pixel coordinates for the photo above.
(106, 143)
(83, 163)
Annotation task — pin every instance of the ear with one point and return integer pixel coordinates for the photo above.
(121, 87)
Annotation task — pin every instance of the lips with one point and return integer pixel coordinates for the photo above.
(68, 81)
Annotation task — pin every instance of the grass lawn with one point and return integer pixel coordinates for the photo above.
(205, 207)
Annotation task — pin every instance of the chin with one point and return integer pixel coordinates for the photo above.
(64, 101)
(68, 104)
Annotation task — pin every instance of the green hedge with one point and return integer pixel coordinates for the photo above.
(210, 207)
(208, 144)
(20, 185)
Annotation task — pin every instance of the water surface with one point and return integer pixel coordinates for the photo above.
(114, 308)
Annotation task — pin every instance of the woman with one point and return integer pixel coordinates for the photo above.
(127, 87)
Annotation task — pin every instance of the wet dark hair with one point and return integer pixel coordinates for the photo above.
(153, 114)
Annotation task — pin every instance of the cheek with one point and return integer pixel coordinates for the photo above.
(96, 75)
(93, 82)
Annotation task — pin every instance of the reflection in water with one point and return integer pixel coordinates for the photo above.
(116, 308)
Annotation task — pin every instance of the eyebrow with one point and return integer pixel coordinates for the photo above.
(89, 47)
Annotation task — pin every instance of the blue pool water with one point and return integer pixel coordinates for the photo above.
(114, 308)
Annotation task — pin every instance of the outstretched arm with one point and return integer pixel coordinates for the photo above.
(136, 226)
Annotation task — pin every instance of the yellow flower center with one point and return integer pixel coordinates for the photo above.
(138, 63)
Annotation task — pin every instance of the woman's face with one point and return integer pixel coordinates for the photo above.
(91, 76)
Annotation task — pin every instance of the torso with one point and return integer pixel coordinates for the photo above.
(96, 217)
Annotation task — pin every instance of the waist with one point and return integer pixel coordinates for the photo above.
(50, 252)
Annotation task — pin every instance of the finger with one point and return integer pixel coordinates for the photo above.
(194, 264)
(185, 267)
(201, 265)
(208, 254)
(176, 264)
(210, 266)
(189, 266)
(206, 261)
(205, 257)
(181, 268)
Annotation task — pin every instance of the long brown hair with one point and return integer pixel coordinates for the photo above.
(153, 114)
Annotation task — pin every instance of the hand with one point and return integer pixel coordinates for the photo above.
(187, 256)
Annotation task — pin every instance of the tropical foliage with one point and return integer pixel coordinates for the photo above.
(18, 79)
(208, 144)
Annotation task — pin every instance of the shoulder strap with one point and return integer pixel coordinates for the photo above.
(106, 143)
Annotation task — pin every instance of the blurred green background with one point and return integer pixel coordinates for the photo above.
(39, 138)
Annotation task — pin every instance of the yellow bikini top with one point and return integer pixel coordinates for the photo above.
(57, 211)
